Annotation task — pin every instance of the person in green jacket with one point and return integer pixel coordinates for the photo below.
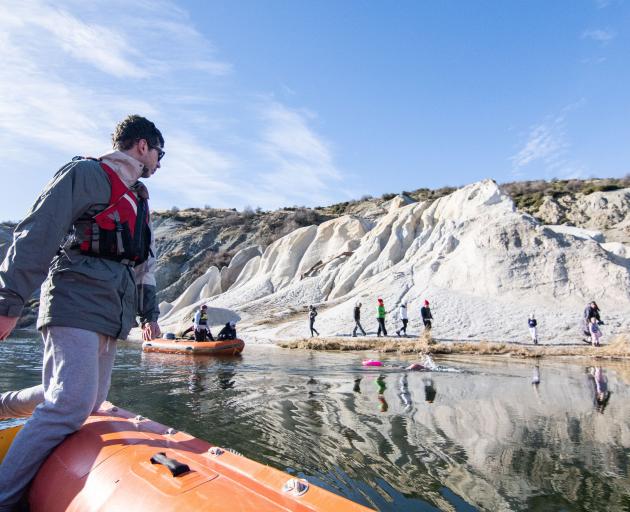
(96, 267)
(380, 318)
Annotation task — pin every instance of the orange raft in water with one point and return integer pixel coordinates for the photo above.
(118, 463)
(212, 348)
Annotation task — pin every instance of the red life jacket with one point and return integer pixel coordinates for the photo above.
(121, 231)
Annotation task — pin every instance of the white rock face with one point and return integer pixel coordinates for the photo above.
(204, 287)
(230, 273)
(584, 234)
(483, 266)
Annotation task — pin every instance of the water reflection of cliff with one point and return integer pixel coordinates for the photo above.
(487, 437)
(496, 441)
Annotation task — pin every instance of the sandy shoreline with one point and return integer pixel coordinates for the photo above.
(618, 348)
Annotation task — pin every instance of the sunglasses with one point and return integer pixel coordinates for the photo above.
(159, 150)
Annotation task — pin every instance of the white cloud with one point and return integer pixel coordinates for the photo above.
(90, 43)
(301, 161)
(601, 36)
(547, 145)
(593, 60)
(545, 142)
(71, 70)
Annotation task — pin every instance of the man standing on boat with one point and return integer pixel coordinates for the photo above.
(201, 326)
(88, 239)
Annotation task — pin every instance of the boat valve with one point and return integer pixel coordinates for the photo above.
(295, 486)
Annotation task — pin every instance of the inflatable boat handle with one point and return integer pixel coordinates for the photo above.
(175, 467)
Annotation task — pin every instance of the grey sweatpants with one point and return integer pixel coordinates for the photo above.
(76, 376)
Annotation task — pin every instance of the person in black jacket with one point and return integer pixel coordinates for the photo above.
(425, 312)
(312, 313)
(357, 320)
(228, 332)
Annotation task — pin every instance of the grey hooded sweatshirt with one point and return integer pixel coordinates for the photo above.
(80, 291)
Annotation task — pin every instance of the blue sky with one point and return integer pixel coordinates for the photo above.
(279, 103)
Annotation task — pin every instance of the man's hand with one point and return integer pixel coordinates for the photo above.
(150, 331)
(7, 324)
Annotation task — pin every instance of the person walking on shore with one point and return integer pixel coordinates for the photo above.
(357, 321)
(97, 276)
(532, 323)
(595, 331)
(312, 313)
(425, 313)
(402, 313)
(380, 318)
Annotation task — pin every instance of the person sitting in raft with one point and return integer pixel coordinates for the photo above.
(201, 326)
(228, 332)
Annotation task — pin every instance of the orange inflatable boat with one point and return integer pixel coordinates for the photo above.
(120, 463)
(181, 346)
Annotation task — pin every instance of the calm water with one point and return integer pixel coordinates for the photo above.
(482, 439)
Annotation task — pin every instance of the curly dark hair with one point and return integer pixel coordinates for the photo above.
(134, 128)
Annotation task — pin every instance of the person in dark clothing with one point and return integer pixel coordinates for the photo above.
(592, 311)
(357, 320)
(228, 332)
(312, 313)
(429, 390)
(425, 312)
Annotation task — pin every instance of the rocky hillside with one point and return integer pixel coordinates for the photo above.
(483, 264)
(601, 204)
(190, 241)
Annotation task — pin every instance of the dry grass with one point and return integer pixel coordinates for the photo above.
(619, 348)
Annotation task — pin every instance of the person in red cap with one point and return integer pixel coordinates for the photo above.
(425, 312)
(380, 318)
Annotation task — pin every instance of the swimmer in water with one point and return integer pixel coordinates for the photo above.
(427, 364)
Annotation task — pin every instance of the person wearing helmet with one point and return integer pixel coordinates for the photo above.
(380, 318)
(228, 332)
(425, 312)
